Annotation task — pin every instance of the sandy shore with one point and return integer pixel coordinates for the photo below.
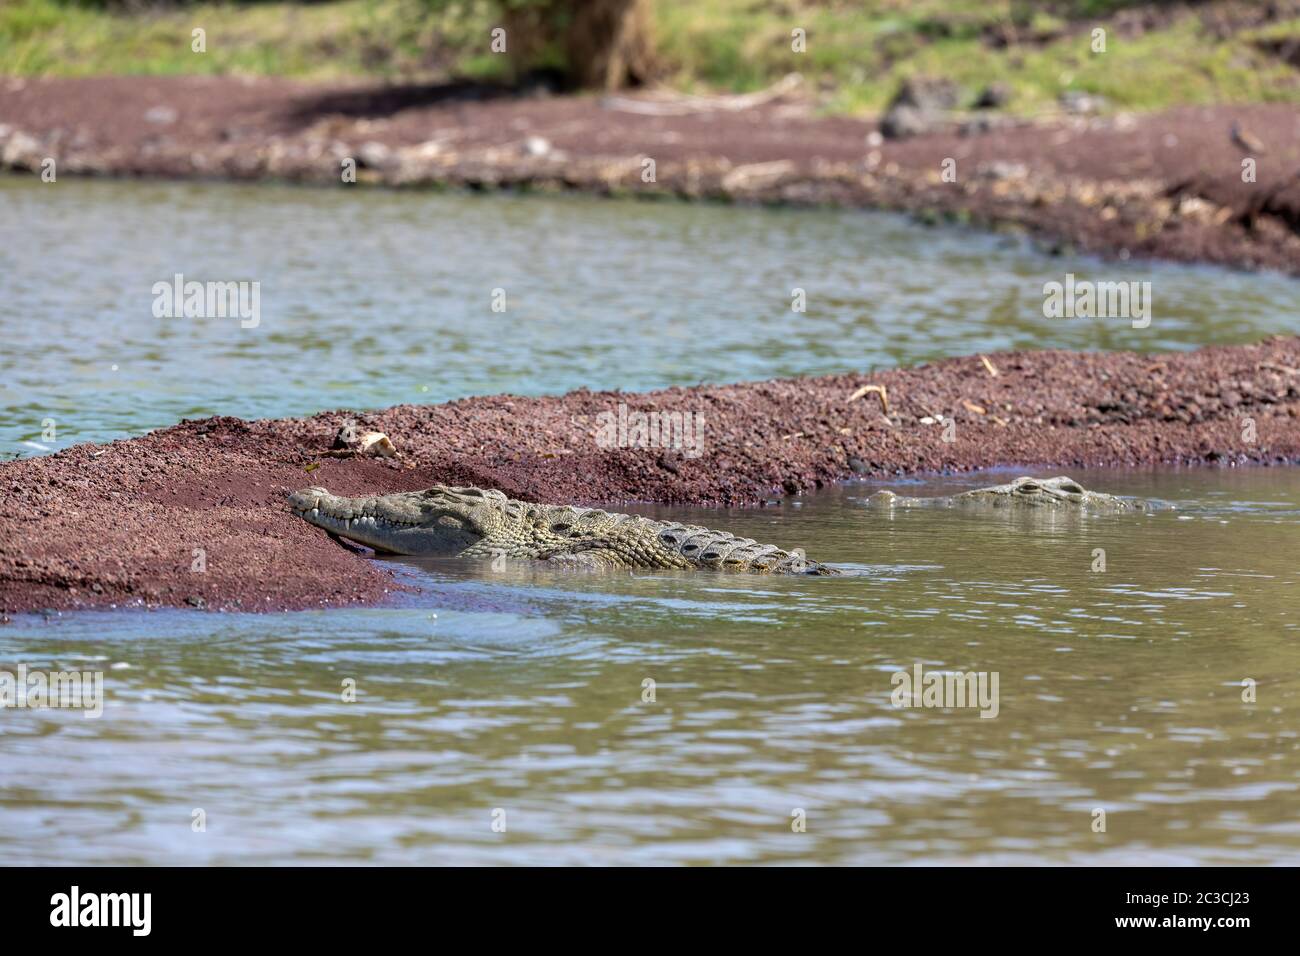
(1165, 186)
(118, 524)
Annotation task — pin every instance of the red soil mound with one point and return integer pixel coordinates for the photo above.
(119, 524)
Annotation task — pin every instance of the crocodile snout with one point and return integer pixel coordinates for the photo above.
(307, 499)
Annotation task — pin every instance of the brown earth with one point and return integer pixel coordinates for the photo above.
(118, 524)
(1166, 185)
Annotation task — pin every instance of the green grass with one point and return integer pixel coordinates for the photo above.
(378, 38)
(857, 51)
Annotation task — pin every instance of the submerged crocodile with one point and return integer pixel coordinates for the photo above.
(474, 523)
(1062, 493)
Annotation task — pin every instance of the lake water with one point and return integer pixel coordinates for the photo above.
(520, 699)
(370, 299)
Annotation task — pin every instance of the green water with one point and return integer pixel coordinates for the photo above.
(370, 299)
(521, 696)
(523, 691)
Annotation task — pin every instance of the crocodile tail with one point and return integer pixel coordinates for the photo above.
(727, 552)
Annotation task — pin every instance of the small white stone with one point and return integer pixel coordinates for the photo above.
(536, 146)
(163, 115)
(374, 154)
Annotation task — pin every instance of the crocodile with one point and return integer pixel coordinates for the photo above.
(1059, 493)
(478, 523)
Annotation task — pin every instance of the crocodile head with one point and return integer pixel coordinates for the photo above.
(437, 521)
(1035, 491)
(1061, 493)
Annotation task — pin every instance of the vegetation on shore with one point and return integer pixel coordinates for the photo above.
(856, 52)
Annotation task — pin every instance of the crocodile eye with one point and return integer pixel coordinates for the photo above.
(1028, 487)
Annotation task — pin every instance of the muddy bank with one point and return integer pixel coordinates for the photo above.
(1165, 186)
(119, 524)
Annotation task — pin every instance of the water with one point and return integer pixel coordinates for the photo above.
(523, 692)
(370, 299)
(519, 695)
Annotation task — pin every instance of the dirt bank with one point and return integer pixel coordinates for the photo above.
(1167, 185)
(119, 523)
